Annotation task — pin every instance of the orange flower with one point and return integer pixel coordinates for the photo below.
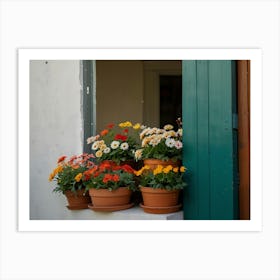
(89, 173)
(104, 132)
(75, 166)
(61, 159)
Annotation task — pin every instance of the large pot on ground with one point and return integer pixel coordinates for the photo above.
(77, 200)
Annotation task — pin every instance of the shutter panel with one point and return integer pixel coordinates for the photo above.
(209, 103)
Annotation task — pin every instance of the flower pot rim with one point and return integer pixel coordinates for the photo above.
(161, 160)
(151, 189)
(75, 192)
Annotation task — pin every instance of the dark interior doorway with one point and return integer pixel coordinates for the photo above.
(170, 99)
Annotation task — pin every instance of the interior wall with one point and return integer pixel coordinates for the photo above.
(119, 92)
(55, 130)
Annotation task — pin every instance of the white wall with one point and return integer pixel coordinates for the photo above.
(55, 130)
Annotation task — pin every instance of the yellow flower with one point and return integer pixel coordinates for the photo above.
(167, 169)
(137, 126)
(59, 168)
(140, 171)
(125, 124)
(98, 154)
(182, 169)
(146, 167)
(102, 147)
(51, 176)
(168, 127)
(78, 177)
(158, 169)
(175, 169)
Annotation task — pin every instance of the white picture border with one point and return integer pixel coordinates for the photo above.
(254, 55)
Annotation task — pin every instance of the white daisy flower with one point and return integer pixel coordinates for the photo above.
(90, 140)
(107, 150)
(124, 146)
(180, 132)
(168, 127)
(178, 145)
(115, 145)
(153, 142)
(170, 142)
(95, 145)
(138, 154)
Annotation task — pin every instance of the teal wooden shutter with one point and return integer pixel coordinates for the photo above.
(209, 105)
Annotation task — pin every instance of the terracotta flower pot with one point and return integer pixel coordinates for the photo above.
(159, 197)
(160, 201)
(78, 200)
(106, 198)
(153, 163)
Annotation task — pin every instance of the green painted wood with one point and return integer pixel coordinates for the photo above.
(204, 202)
(190, 159)
(88, 102)
(208, 90)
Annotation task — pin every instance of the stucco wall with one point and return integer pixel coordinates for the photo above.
(119, 91)
(55, 130)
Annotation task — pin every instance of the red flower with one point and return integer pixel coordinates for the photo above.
(120, 137)
(127, 168)
(125, 130)
(110, 177)
(107, 178)
(115, 178)
(61, 159)
(105, 166)
(110, 125)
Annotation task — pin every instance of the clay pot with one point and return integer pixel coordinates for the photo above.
(105, 198)
(77, 200)
(153, 163)
(159, 197)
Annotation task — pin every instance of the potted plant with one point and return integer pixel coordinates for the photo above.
(68, 176)
(160, 188)
(110, 186)
(116, 143)
(160, 146)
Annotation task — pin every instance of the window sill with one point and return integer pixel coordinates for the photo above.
(134, 213)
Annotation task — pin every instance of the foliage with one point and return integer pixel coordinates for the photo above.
(163, 144)
(168, 178)
(109, 175)
(68, 173)
(117, 143)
